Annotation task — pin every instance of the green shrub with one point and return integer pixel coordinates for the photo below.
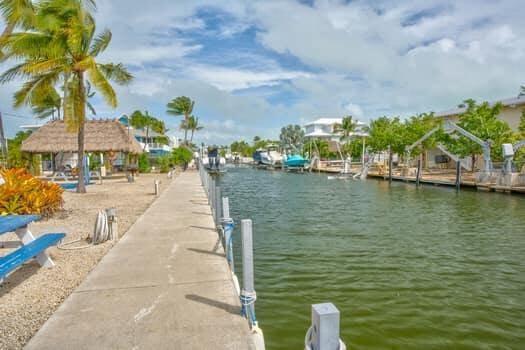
(164, 163)
(144, 166)
(181, 155)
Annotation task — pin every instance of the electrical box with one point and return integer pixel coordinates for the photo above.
(508, 151)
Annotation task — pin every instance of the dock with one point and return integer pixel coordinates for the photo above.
(164, 285)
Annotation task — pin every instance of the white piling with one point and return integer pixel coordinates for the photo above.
(248, 295)
(218, 210)
(324, 331)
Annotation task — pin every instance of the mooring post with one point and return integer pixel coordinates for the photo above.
(218, 210)
(228, 225)
(418, 173)
(389, 164)
(458, 175)
(112, 223)
(324, 331)
(248, 295)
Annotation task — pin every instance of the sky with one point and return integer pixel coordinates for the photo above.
(254, 66)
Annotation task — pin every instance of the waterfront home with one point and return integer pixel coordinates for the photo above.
(327, 129)
(511, 111)
(154, 143)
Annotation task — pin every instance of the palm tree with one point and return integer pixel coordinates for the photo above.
(181, 105)
(193, 125)
(346, 127)
(48, 105)
(60, 45)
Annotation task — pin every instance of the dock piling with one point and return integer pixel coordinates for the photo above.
(458, 176)
(248, 295)
(218, 210)
(323, 334)
(418, 173)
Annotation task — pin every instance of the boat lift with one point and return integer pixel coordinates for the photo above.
(508, 153)
(449, 127)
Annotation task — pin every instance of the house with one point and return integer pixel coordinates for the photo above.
(152, 142)
(326, 128)
(511, 111)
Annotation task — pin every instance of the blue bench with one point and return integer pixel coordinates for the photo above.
(29, 246)
(27, 252)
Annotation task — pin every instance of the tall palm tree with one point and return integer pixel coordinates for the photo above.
(181, 105)
(60, 45)
(48, 105)
(346, 127)
(193, 125)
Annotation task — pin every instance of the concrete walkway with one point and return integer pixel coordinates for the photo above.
(165, 285)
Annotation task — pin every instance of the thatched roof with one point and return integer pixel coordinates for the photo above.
(100, 136)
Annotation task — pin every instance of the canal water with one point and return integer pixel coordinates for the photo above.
(408, 268)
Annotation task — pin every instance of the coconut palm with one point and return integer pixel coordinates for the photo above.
(182, 105)
(48, 105)
(346, 127)
(60, 45)
(193, 125)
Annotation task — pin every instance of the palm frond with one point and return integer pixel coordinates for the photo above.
(99, 81)
(116, 72)
(100, 43)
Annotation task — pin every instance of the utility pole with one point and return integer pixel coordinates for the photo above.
(3, 140)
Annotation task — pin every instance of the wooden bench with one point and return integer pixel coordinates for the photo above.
(27, 252)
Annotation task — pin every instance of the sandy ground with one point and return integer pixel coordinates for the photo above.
(31, 294)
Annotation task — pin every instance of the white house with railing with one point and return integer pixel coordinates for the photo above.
(327, 128)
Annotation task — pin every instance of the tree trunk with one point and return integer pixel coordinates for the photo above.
(81, 188)
(473, 159)
(186, 129)
(191, 138)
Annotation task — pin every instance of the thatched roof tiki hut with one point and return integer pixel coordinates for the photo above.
(101, 136)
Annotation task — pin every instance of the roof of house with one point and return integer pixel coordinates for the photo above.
(331, 121)
(508, 102)
(100, 136)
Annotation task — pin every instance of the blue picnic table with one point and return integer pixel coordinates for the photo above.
(29, 246)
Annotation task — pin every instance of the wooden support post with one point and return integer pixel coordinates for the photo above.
(458, 175)
(418, 173)
(324, 332)
(248, 289)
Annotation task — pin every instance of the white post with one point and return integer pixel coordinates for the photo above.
(227, 224)
(157, 189)
(225, 207)
(324, 332)
(248, 296)
(218, 210)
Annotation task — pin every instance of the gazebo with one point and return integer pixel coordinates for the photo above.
(108, 137)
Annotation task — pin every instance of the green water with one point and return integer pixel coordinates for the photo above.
(407, 268)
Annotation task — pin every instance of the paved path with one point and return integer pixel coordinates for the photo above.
(165, 285)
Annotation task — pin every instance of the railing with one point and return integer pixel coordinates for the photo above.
(323, 333)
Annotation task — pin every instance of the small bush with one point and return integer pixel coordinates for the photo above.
(165, 163)
(144, 166)
(23, 194)
(181, 155)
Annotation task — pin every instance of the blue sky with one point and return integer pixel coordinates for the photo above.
(255, 66)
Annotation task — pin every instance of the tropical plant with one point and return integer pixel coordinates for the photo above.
(522, 91)
(482, 121)
(292, 136)
(144, 166)
(47, 105)
(193, 125)
(242, 147)
(23, 194)
(181, 105)
(15, 157)
(165, 163)
(181, 155)
(59, 43)
(346, 127)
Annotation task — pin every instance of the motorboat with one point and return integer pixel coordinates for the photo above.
(275, 157)
(295, 161)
